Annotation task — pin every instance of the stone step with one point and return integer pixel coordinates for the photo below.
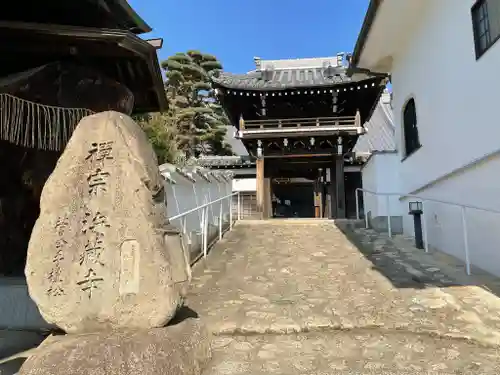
(362, 352)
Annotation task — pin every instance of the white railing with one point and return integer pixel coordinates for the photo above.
(463, 209)
(205, 218)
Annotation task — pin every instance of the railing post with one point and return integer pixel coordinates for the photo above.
(220, 220)
(357, 119)
(205, 233)
(231, 212)
(424, 227)
(202, 229)
(366, 214)
(466, 241)
(184, 225)
(239, 206)
(387, 204)
(356, 193)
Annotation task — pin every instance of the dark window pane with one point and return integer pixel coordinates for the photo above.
(410, 129)
(481, 27)
(486, 24)
(482, 43)
(493, 11)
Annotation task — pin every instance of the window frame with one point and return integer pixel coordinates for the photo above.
(404, 128)
(487, 33)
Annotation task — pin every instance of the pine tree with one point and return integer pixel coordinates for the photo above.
(199, 120)
(162, 134)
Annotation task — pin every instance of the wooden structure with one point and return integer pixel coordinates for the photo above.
(300, 119)
(62, 60)
(98, 35)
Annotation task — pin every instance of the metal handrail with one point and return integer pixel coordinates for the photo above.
(463, 208)
(204, 217)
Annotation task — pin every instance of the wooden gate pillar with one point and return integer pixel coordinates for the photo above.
(264, 200)
(267, 199)
(260, 185)
(332, 192)
(340, 187)
(340, 180)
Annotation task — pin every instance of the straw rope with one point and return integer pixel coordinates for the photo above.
(34, 125)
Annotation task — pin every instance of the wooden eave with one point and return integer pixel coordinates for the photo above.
(115, 14)
(111, 47)
(135, 22)
(371, 13)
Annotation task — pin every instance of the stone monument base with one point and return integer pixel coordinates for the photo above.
(183, 349)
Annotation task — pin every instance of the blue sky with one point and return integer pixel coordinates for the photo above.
(237, 30)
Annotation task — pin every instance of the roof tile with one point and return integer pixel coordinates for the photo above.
(282, 79)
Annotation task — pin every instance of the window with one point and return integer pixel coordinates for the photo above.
(486, 24)
(410, 130)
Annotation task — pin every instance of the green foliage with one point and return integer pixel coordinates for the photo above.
(195, 122)
(199, 121)
(162, 134)
(211, 65)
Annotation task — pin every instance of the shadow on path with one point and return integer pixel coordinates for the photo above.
(184, 313)
(405, 266)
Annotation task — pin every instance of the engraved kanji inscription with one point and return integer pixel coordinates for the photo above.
(55, 274)
(90, 282)
(55, 289)
(58, 257)
(94, 222)
(100, 151)
(60, 243)
(97, 181)
(62, 224)
(93, 249)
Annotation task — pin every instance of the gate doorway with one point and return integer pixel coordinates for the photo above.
(293, 199)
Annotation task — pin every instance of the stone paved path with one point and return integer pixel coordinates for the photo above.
(290, 297)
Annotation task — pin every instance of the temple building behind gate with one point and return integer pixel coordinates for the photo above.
(300, 119)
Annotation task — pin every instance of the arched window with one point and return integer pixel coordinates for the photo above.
(410, 130)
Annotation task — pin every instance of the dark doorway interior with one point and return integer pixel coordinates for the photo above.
(24, 172)
(293, 200)
(352, 182)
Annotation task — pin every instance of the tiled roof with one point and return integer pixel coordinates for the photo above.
(281, 79)
(212, 161)
(380, 129)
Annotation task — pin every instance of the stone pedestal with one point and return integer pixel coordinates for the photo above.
(183, 349)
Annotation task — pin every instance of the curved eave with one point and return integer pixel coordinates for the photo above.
(148, 52)
(365, 30)
(86, 37)
(253, 84)
(139, 26)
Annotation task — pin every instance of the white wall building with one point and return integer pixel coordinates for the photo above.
(443, 61)
(379, 172)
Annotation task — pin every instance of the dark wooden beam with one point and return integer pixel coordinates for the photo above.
(340, 187)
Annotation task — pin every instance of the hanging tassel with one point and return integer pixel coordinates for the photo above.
(34, 125)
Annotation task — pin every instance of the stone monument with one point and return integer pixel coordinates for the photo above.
(102, 257)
